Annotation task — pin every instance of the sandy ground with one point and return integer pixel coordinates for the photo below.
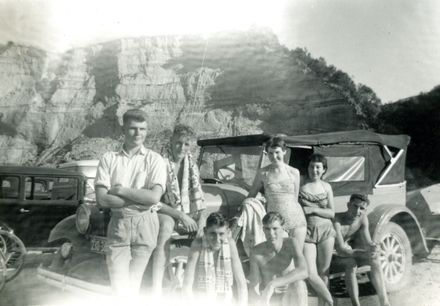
(424, 289)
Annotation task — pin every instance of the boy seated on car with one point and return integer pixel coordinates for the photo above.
(352, 228)
(183, 198)
(214, 266)
(277, 267)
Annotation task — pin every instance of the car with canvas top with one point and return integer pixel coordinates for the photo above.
(359, 161)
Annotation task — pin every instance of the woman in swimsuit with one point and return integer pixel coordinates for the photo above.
(316, 198)
(281, 187)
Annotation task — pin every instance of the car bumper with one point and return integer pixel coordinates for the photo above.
(71, 284)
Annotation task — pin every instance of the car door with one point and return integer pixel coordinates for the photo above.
(10, 198)
(48, 200)
(21, 217)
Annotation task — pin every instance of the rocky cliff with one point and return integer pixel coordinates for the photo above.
(61, 106)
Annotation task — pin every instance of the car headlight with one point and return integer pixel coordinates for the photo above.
(83, 219)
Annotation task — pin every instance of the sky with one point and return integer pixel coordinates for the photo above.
(392, 46)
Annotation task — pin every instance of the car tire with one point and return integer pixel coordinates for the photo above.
(395, 256)
(3, 270)
(14, 253)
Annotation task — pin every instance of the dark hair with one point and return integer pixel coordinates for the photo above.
(276, 141)
(318, 158)
(216, 219)
(135, 115)
(183, 130)
(273, 216)
(358, 197)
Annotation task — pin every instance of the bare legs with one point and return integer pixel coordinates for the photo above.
(296, 295)
(318, 257)
(351, 280)
(297, 292)
(376, 280)
(161, 253)
(299, 235)
(325, 253)
(378, 283)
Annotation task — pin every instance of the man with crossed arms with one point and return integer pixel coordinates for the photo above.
(131, 182)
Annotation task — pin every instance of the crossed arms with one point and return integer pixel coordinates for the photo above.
(110, 195)
(118, 196)
(328, 212)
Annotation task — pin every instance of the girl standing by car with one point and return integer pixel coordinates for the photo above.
(281, 187)
(316, 198)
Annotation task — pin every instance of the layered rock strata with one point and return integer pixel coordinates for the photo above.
(225, 84)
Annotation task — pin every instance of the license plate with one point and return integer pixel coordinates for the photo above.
(97, 244)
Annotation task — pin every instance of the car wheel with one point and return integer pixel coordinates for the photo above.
(2, 245)
(14, 252)
(2, 270)
(174, 273)
(395, 256)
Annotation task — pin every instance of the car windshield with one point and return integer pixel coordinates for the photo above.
(230, 164)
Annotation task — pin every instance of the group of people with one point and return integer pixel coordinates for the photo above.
(151, 194)
(306, 213)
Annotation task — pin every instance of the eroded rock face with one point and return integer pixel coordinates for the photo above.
(21, 68)
(16, 150)
(227, 84)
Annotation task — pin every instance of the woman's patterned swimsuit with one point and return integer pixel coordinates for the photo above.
(281, 198)
(318, 228)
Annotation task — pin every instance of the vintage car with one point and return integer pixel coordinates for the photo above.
(86, 168)
(34, 199)
(358, 161)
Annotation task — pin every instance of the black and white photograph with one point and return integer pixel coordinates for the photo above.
(234, 152)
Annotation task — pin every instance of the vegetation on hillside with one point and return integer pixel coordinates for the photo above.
(365, 101)
(418, 117)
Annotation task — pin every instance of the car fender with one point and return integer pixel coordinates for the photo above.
(405, 218)
(425, 201)
(224, 198)
(65, 230)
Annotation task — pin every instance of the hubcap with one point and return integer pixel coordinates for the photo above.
(392, 258)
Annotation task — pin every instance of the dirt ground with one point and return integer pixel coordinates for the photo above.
(424, 289)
